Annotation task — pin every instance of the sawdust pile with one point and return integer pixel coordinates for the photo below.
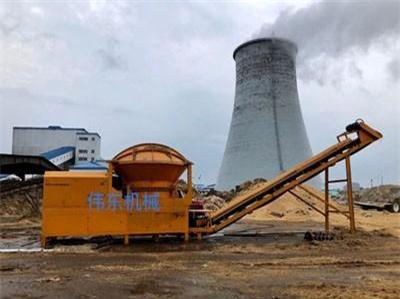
(288, 208)
(286, 204)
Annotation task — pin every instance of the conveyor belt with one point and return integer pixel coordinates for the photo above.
(244, 204)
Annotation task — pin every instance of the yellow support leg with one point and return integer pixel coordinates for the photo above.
(43, 241)
(327, 200)
(156, 238)
(126, 239)
(350, 195)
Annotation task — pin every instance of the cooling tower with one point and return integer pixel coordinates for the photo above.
(267, 133)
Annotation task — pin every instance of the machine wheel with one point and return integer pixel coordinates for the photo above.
(395, 207)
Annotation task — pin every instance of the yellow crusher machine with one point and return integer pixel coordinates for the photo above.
(141, 193)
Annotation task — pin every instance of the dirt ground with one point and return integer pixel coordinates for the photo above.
(264, 255)
(254, 258)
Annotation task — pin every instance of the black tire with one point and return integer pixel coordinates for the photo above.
(395, 207)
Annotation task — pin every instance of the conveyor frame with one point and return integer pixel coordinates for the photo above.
(357, 136)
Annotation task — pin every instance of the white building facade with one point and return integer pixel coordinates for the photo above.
(41, 140)
(87, 147)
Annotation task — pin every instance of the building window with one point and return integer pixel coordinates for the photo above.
(82, 159)
(82, 151)
(92, 138)
(83, 138)
(92, 159)
(92, 151)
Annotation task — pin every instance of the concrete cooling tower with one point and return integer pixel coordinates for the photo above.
(267, 133)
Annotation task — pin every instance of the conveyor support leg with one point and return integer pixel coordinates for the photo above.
(327, 199)
(126, 239)
(350, 195)
(43, 241)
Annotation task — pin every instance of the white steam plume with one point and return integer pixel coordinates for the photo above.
(328, 30)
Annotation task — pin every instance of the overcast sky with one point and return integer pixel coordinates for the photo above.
(155, 72)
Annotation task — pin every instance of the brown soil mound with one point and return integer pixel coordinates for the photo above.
(22, 199)
(384, 193)
(216, 199)
(213, 202)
